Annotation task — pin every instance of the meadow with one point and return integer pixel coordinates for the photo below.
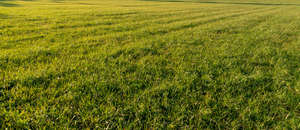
(150, 64)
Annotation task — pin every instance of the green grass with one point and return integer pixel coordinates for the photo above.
(150, 64)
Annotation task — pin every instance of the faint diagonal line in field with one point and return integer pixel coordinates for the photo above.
(168, 21)
(92, 46)
(191, 25)
(112, 25)
(256, 21)
(155, 15)
(248, 23)
(138, 32)
(168, 30)
(83, 25)
(34, 38)
(105, 24)
(157, 18)
(5, 27)
(73, 20)
(165, 20)
(91, 49)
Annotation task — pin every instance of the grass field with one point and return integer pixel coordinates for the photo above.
(222, 64)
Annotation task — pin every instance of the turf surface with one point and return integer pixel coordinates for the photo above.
(150, 64)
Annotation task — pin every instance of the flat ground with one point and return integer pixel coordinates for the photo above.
(150, 64)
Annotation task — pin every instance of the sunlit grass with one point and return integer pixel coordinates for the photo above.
(150, 64)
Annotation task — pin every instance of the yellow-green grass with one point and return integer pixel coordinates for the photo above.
(150, 64)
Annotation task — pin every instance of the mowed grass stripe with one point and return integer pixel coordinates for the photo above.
(182, 24)
(241, 24)
(119, 35)
(12, 34)
(93, 14)
(91, 49)
(90, 58)
(143, 20)
(38, 37)
(169, 21)
(85, 25)
(45, 62)
(237, 23)
(141, 24)
(236, 70)
(38, 29)
(286, 31)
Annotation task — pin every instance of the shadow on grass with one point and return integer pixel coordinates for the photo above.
(248, 3)
(168, 0)
(3, 16)
(4, 4)
(15, 0)
(237, 3)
